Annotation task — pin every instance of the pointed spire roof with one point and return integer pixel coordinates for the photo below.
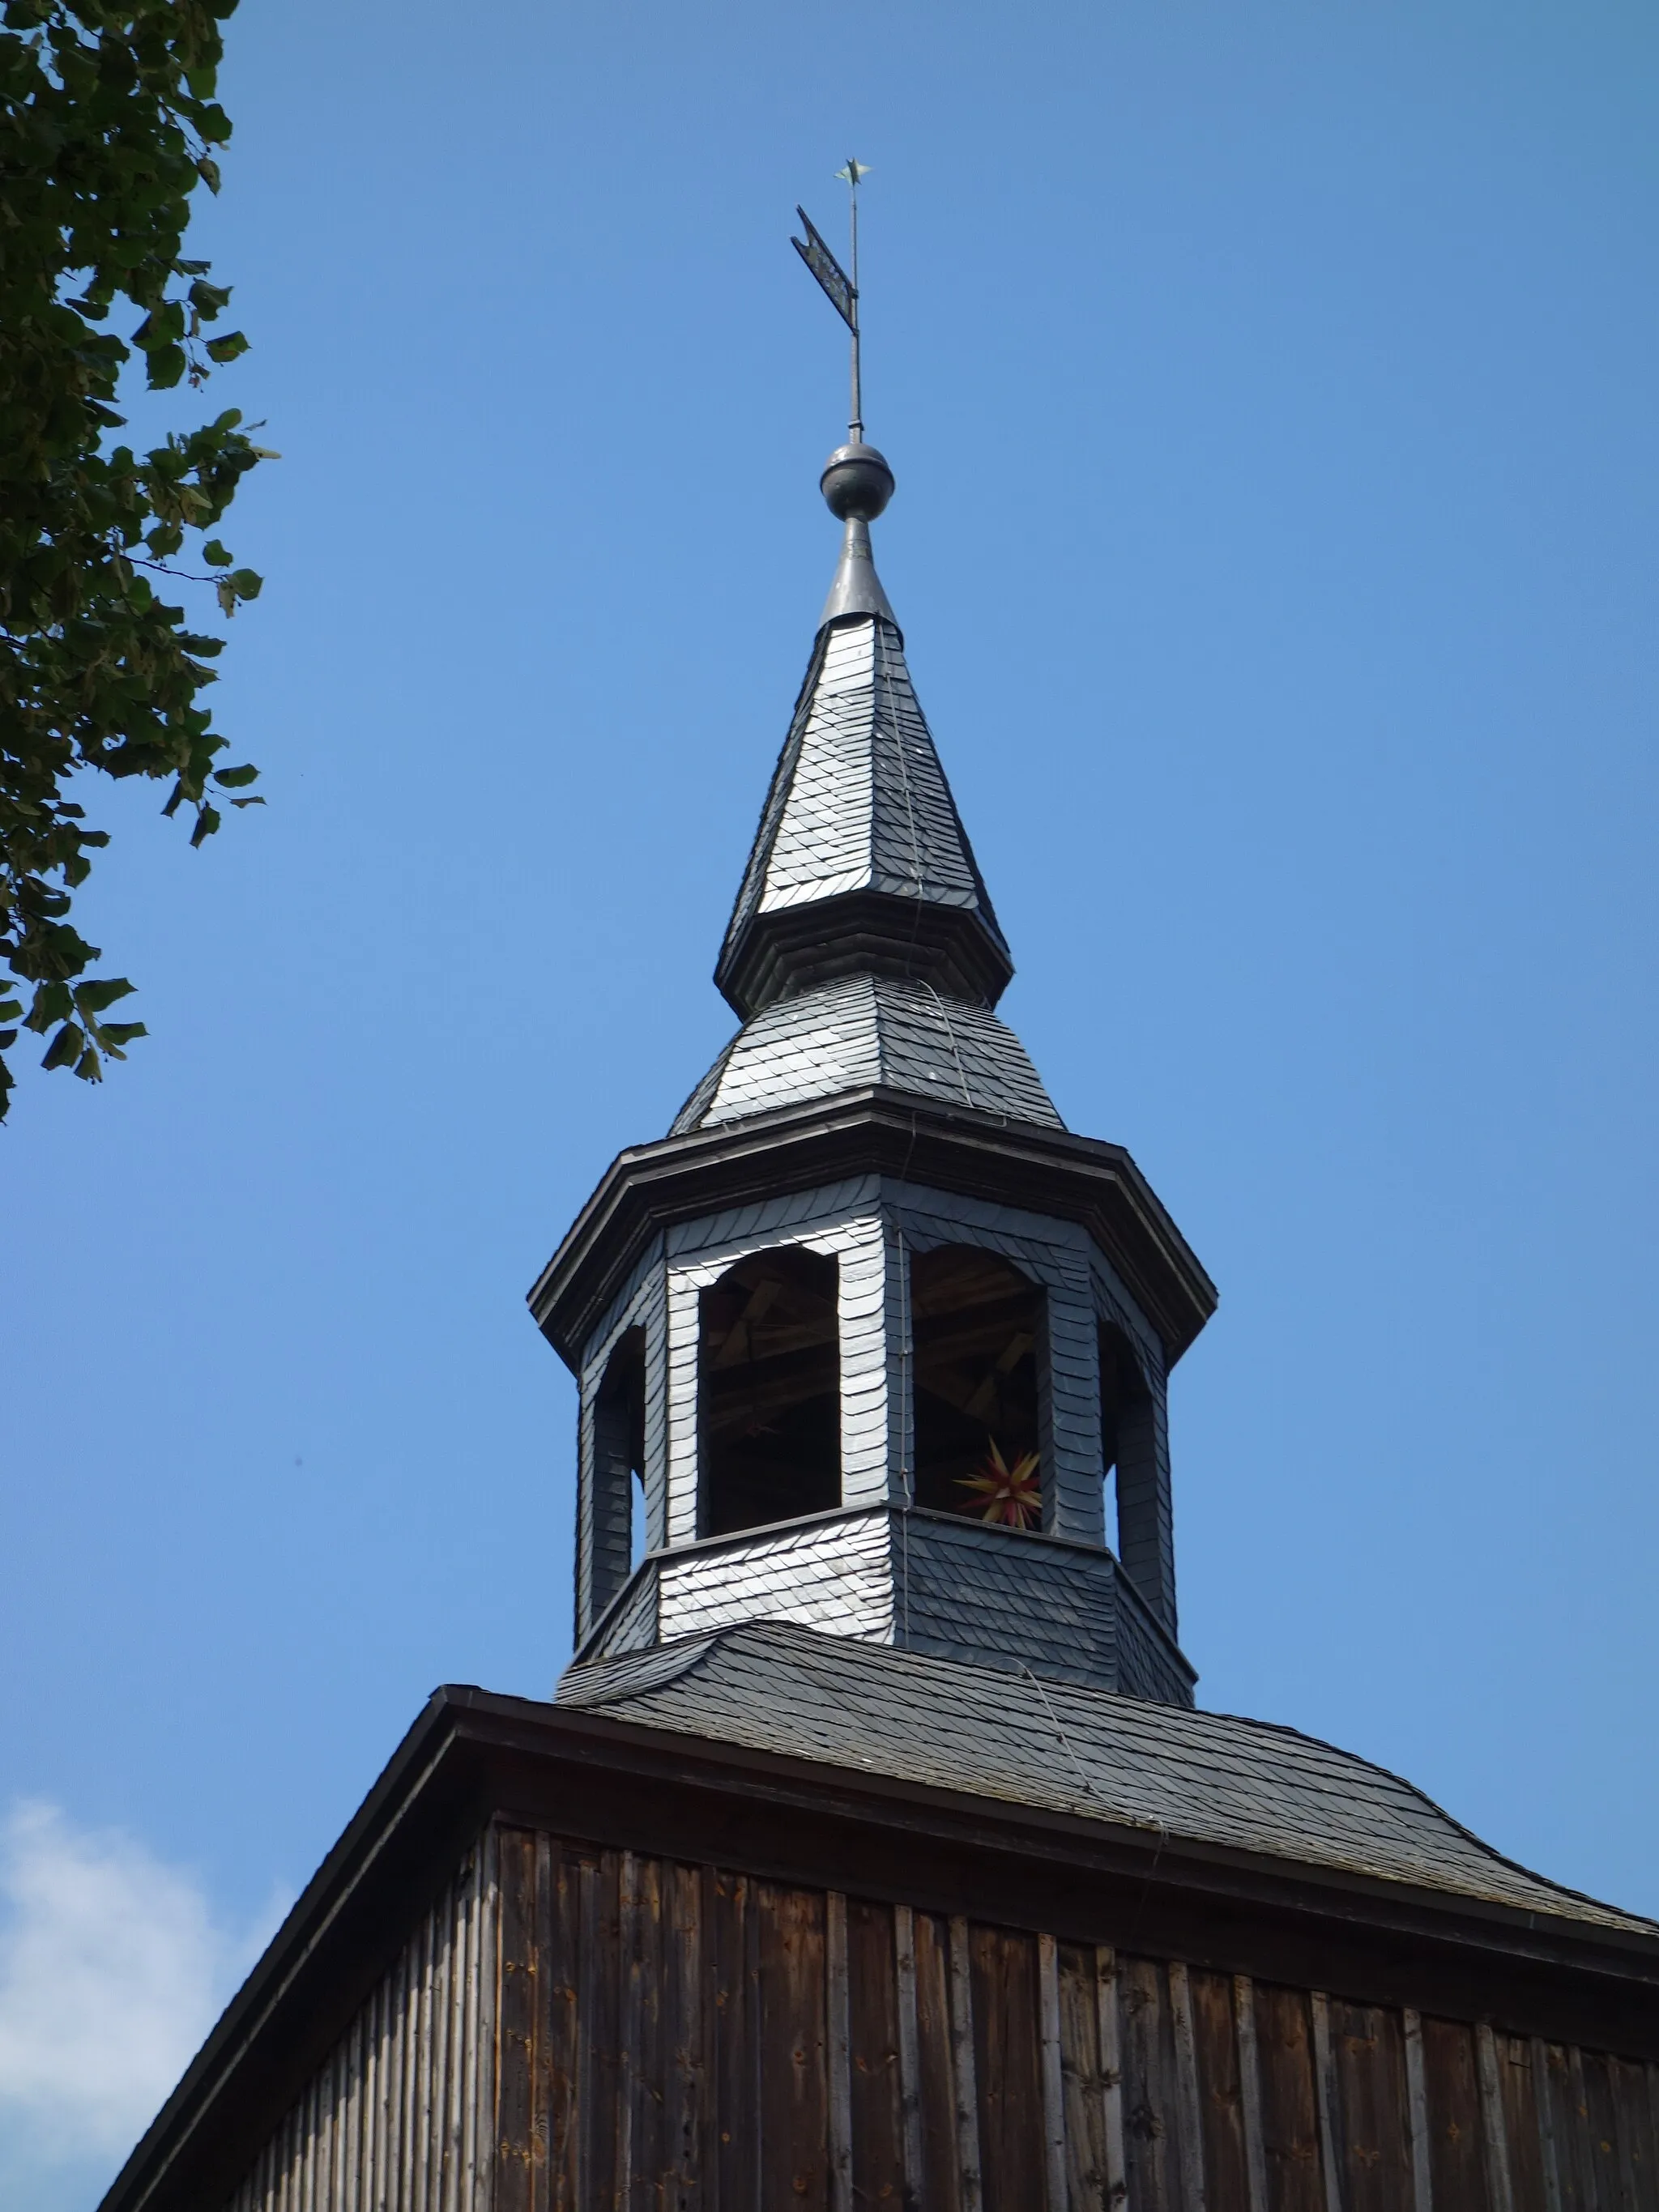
(860, 865)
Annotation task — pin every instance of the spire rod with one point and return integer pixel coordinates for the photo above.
(856, 482)
(839, 289)
(850, 176)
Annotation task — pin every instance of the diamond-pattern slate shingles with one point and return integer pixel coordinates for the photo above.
(859, 801)
(1204, 1777)
(865, 1030)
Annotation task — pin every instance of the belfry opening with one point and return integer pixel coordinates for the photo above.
(769, 1390)
(619, 1466)
(977, 1327)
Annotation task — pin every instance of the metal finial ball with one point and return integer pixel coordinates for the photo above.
(856, 483)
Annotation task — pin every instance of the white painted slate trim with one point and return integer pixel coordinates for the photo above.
(863, 1257)
(837, 1576)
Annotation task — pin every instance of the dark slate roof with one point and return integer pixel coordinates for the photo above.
(859, 802)
(1203, 1778)
(864, 1030)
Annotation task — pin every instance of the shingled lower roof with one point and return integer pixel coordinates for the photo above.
(865, 1030)
(1202, 1778)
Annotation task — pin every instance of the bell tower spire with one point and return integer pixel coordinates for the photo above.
(870, 1341)
(860, 865)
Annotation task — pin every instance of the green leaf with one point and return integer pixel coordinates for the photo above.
(246, 583)
(233, 778)
(109, 123)
(69, 1044)
(52, 1003)
(163, 326)
(255, 801)
(166, 366)
(93, 998)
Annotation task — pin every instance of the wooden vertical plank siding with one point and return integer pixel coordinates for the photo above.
(516, 2009)
(1188, 2111)
(555, 2074)
(1368, 2054)
(1152, 2112)
(570, 2029)
(940, 2138)
(1053, 2074)
(1084, 2087)
(1111, 2075)
(1596, 2099)
(402, 2112)
(1493, 2130)
(1290, 2124)
(736, 2121)
(1221, 2102)
(794, 2104)
(1249, 2093)
(839, 2051)
(965, 2077)
(1634, 2111)
(1325, 2102)
(690, 2136)
(1522, 2125)
(885, 2105)
(1417, 2111)
(909, 2051)
(1456, 2169)
(1007, 2088)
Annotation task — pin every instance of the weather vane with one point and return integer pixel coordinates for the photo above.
(840, 289)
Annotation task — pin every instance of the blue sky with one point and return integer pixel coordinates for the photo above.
(1271, 391)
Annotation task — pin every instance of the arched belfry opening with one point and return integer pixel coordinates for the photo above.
(769, 1391)
(977, 1328)
(1128, 1441)
(618, 1498)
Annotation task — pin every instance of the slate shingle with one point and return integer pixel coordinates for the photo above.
(1206, 1778)
(864, 1030)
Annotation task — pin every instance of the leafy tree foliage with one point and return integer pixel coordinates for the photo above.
(107, 124)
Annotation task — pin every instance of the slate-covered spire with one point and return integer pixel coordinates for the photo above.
(861, 865)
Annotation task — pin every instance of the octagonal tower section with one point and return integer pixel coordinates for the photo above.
(870, 1341)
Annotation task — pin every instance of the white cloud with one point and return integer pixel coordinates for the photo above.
(113, 1968)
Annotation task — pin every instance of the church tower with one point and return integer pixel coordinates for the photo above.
(870, 1341)
(874, 1854)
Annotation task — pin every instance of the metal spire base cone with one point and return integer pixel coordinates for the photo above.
(857, 588)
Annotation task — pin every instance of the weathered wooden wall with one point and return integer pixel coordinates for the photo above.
(685, 2039)
(400, 2116)
(578, 2030)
